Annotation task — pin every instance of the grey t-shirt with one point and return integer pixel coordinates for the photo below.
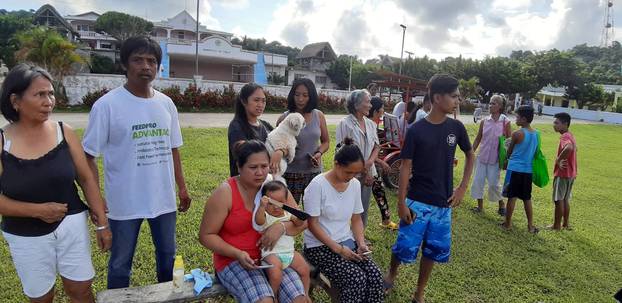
(307, 142)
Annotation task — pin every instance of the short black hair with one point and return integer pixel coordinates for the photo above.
(563, 117)
(291, 102)
(376, 105)
(17, 82)
(347, 153)
(426, 98)
(442, 84)
(247, 148)
(526, 112)
(140, 45)
(273, 186)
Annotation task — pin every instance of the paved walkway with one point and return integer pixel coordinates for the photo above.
(206, 120)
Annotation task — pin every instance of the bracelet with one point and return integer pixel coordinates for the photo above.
(98, 228)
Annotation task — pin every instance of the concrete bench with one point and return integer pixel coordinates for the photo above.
(163, 292)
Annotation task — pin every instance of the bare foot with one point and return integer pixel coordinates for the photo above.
(504, 227)
(552, 227)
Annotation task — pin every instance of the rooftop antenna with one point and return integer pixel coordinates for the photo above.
(608, 31)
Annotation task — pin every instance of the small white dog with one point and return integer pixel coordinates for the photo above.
(284, 137)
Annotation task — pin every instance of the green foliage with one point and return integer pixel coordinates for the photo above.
(91, 97)
(122, 26)
(274, 47)
(470, 88)
(48, 49)
(102, 65)
(339, 71)
(276, 79)
(10, 24)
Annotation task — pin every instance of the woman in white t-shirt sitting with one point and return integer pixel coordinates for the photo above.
(334, 241)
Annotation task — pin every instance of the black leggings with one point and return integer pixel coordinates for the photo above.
(381, 198)
(356, 281)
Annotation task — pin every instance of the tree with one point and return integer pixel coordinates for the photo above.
(102, 65)
(339, 71)
(48, 49)
(10, 24)
(470, 88)
(122, 26)
(274, 47)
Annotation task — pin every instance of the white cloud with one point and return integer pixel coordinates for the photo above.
(233, 4)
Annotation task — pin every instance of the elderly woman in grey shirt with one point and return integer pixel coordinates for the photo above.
(363, 131)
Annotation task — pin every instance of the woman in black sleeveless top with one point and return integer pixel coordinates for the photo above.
(43, 217)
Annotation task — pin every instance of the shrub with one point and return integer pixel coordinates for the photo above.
(467, 107)
(90, 98)
(619, 108)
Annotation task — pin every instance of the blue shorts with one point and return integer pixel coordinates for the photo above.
(430, 230)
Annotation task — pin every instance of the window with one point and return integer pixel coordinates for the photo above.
(83, 27)
(320, 79)
(180, 35)
(298, 76)
(105, 45)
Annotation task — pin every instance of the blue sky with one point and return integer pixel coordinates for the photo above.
(367, 28)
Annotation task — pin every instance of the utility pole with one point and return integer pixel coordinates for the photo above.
(402, 52)
(350, 80)
(196, 51)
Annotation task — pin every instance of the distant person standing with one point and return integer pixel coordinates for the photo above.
(487, 165)
(136, 130)
(400, 107)
(565, 171)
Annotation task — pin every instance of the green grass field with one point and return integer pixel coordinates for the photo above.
(487, 263)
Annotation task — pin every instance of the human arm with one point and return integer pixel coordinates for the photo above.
(215, 213)
(90, 188)
(184, 198)
(260, 213)
(478, 137)
(562, 159)
(403, 210)
(48, 212)
(465, 145)
(324, 139)
(271, 235)
(358, 231)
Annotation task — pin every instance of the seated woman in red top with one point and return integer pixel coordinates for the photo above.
(226, 230)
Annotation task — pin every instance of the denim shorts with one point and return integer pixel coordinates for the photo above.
(430, 230)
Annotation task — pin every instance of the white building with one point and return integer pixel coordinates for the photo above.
(101, 44)
(312, 62)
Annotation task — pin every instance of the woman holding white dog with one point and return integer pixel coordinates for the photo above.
(246, 124)
(313, 140)
(363, 131)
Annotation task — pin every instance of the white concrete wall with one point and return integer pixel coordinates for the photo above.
(79, 85)
(585, 114)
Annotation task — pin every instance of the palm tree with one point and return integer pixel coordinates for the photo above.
(48, 49)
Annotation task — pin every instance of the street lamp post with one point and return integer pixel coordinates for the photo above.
(196, 50)
(402, 52)
(350, 78)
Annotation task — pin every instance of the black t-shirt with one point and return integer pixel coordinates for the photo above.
(236, 133)
(432, 147)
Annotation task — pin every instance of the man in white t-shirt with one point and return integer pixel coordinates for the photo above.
(400, 107)
(136, 130)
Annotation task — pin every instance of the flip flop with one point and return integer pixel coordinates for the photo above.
(387, 286)
(502, 225)
(391, 225)
(501, 212)
(534, 231)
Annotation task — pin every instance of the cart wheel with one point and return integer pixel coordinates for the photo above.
(392, 177)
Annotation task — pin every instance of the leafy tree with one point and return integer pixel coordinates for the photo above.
(339, 71)
(102, 65)
(10, 24)
(274, 47)
(470, 88)
(48, 49)
(122, 26)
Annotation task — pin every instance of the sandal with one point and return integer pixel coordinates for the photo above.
(501, 212)
(534, 230)
(477, 210)
(391, 225)
(502, 225)
(387, 286)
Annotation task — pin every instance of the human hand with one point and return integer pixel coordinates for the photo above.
(404, 213)
(348, 254)
(94, 217)
(245, 260)
(51, 212)
(456, 197)
(270, 236)
(363, 251)
(369, 180)
(275, 161)
(184, 200)
(562, 163)
(368, 164)
(104, 239)
(264, 201)
(316, 159)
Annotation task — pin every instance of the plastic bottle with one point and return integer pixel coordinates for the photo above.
(178, 274)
